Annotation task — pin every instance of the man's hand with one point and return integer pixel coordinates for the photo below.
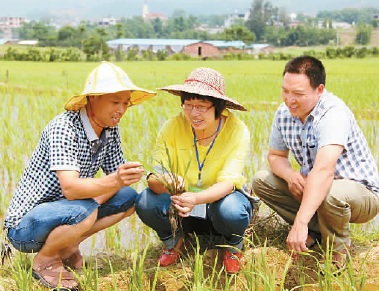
(296, 184)
(184, 203)
(129, 173)
(296, 239)
(280, 166)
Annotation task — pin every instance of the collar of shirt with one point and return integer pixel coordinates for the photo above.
(322, 106)
(91, 135)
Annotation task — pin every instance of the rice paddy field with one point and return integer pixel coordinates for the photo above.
(33, 93)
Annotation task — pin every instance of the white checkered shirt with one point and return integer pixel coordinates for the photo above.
(330, 122)
(68, 142)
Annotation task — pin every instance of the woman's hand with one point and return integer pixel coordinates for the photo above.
(184, 203)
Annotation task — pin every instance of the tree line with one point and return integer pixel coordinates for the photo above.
(266, 24)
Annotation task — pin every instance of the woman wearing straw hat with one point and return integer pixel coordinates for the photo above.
(58, 203)
(200, 154)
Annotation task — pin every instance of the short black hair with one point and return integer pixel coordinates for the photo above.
(309, 66)
(219, 104)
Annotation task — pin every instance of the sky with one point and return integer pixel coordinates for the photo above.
(88, 9)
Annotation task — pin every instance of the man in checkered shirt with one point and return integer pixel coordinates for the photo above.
(58, 203)
(338, 180)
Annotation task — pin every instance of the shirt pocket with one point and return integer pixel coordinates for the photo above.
(312, 145)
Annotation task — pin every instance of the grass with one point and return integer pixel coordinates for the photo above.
(126, 255)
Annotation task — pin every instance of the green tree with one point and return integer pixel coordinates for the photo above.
(41, 31)
(349, 15)
(283, 17)
(26, 31)
(119, 30)
(213, 20)
(68, 36)
(102, 33)
(276, 35)
(95, 48)
(363, 36)
(158, 27)
(180, 26)
(136, 27)
(262, 14)
(82, 33)
(238, 32)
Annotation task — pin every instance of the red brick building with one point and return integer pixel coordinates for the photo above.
(192, 47)
(201, 50)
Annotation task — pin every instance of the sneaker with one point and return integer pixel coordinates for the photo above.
(232, 262)
(169, 257)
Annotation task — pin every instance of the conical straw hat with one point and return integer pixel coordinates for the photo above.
(206, 82)
(107, 79)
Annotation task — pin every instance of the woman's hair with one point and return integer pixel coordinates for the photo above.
(218, 104)
(309, 66)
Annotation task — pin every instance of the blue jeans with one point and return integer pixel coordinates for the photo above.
(33, 229)
(229, 216)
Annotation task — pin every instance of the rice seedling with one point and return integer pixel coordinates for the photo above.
(202, 279)
(31, 94)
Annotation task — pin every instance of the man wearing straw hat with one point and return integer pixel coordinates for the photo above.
(200, 154)
(58, 203)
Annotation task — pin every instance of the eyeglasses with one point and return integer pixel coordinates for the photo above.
(198, 108)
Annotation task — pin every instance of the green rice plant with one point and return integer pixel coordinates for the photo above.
(362, 233)
(263, 273)
(113, 238)
(114, 279)
(301, 266)
(33, 93)
(331, 278)
(89, 280)
(173, 183)
(359, 283)
(137, 276)
(327, 280)
(198, 271)
(21, 271)
(200, 281)
(155, 280)
(286, 268)
(229, 283)
(257, 274)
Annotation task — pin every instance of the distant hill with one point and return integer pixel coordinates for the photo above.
(84, 9)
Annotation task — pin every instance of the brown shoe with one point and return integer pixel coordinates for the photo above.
(75, 261)
(53, 275)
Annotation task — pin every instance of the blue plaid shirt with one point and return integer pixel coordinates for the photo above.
(67, 143)
(330, 122)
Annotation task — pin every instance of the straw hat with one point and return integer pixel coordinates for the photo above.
(106, 79)
(206, 82)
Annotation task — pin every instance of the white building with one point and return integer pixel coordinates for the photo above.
(236, 18)
(8, 23)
